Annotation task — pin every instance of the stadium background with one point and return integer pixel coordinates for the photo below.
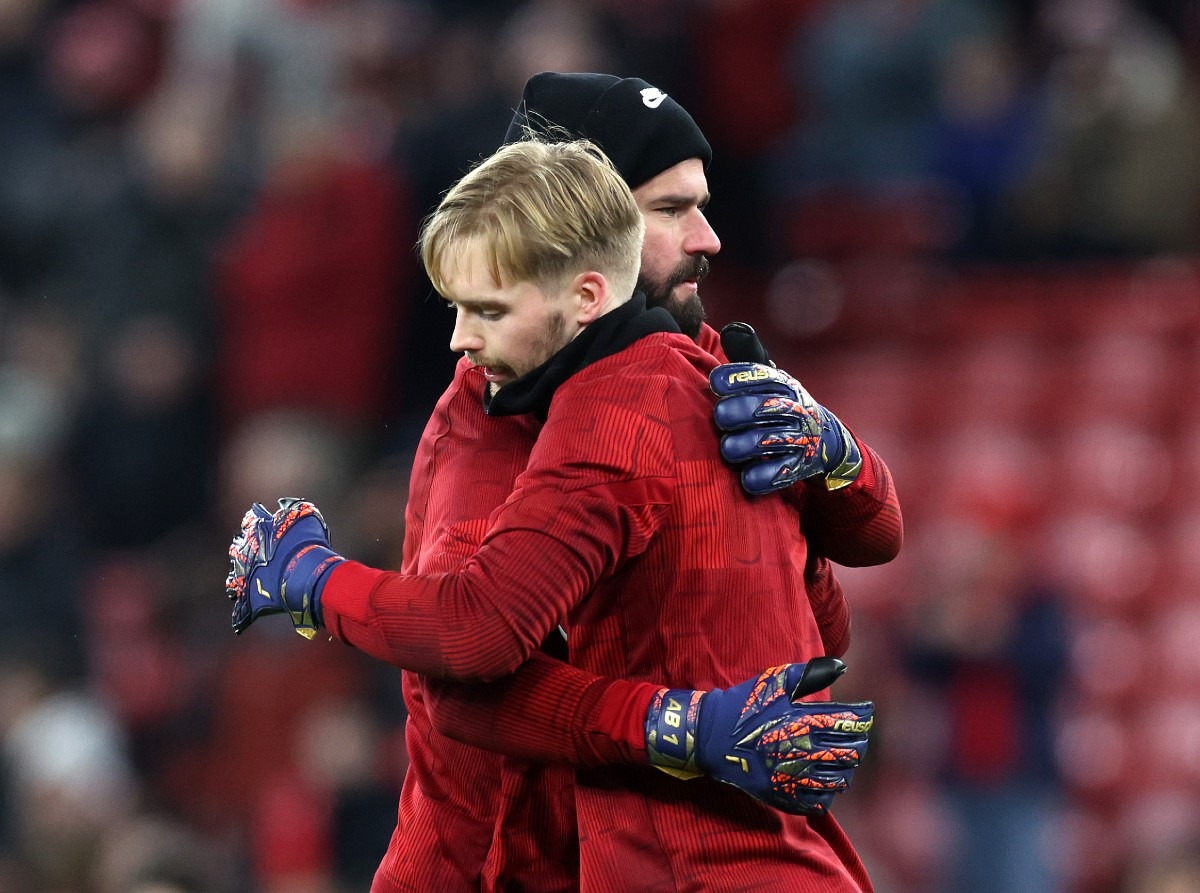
(969, 227)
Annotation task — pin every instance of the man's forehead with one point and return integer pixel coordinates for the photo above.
(685, 179)
(467, 269)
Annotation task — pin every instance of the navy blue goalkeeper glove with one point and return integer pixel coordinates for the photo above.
(773, 425)
(759, 737)
(279, 564)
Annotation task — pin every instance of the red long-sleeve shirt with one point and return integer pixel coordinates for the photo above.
(644, 501)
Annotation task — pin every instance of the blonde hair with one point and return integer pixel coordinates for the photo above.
(546, 212)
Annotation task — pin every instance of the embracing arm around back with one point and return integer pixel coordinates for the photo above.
(759, 736)
(782, 440)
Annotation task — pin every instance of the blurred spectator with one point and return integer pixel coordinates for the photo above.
(143, 450)
(375, 523)
(41, 547)
(156, 854)
(1119, 176)
(735, 81)
(986, 643)
(1177, 871)
(270, 68)
(284, 452)
(71, 781)
(327, 823)
(234, 789)
(866, 73)
(154, 678)
(71, 168)
(307, 279)
(307, 290)
(857, 175)
(988, 132)
(30, 133)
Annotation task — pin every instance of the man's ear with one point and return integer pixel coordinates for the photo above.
(591, 293)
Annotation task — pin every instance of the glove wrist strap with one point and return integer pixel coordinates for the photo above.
(305, 576)
(846, 471)
(671, 731)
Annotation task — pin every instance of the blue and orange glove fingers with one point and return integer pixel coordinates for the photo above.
(812, 755)
(245, 550)
(294, 512)
(772, 422)
(272, 551)
(243, 553)
(251, 548)
(673, 719)
(758, 737)
(810, 752)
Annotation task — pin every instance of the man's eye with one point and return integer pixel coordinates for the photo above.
(669, 212)
(490, 315)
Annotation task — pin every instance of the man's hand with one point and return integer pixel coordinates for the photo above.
(760, 738)
(772, 423)
(278, 564)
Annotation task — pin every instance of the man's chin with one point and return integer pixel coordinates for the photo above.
(689, 314)
(682, 301)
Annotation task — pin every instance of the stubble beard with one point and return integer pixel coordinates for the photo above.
(688, 311)
(550, 343)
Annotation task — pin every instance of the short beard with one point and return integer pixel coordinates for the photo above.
(552, 340)
(688, 313)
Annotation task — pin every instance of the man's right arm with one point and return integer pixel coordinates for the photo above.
(760, 737)
(829, 605)
(546, 712)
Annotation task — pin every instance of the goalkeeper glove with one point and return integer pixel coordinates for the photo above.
(279, 564)
(793, 755)
(773, 424)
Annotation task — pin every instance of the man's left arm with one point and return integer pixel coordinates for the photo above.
(858, 525)
(829, 605)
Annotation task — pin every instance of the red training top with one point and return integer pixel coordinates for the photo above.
(691, 583)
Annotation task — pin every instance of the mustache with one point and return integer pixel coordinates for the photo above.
(693, 268)
(479, 360)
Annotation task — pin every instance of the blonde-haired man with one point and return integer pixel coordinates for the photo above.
(505, 224)
(624, 527)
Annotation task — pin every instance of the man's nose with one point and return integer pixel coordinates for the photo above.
(464, 337)
(701, 237)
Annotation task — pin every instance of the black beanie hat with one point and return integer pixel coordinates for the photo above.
(640, 128)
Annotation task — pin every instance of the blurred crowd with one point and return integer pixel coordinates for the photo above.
(969, 226)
